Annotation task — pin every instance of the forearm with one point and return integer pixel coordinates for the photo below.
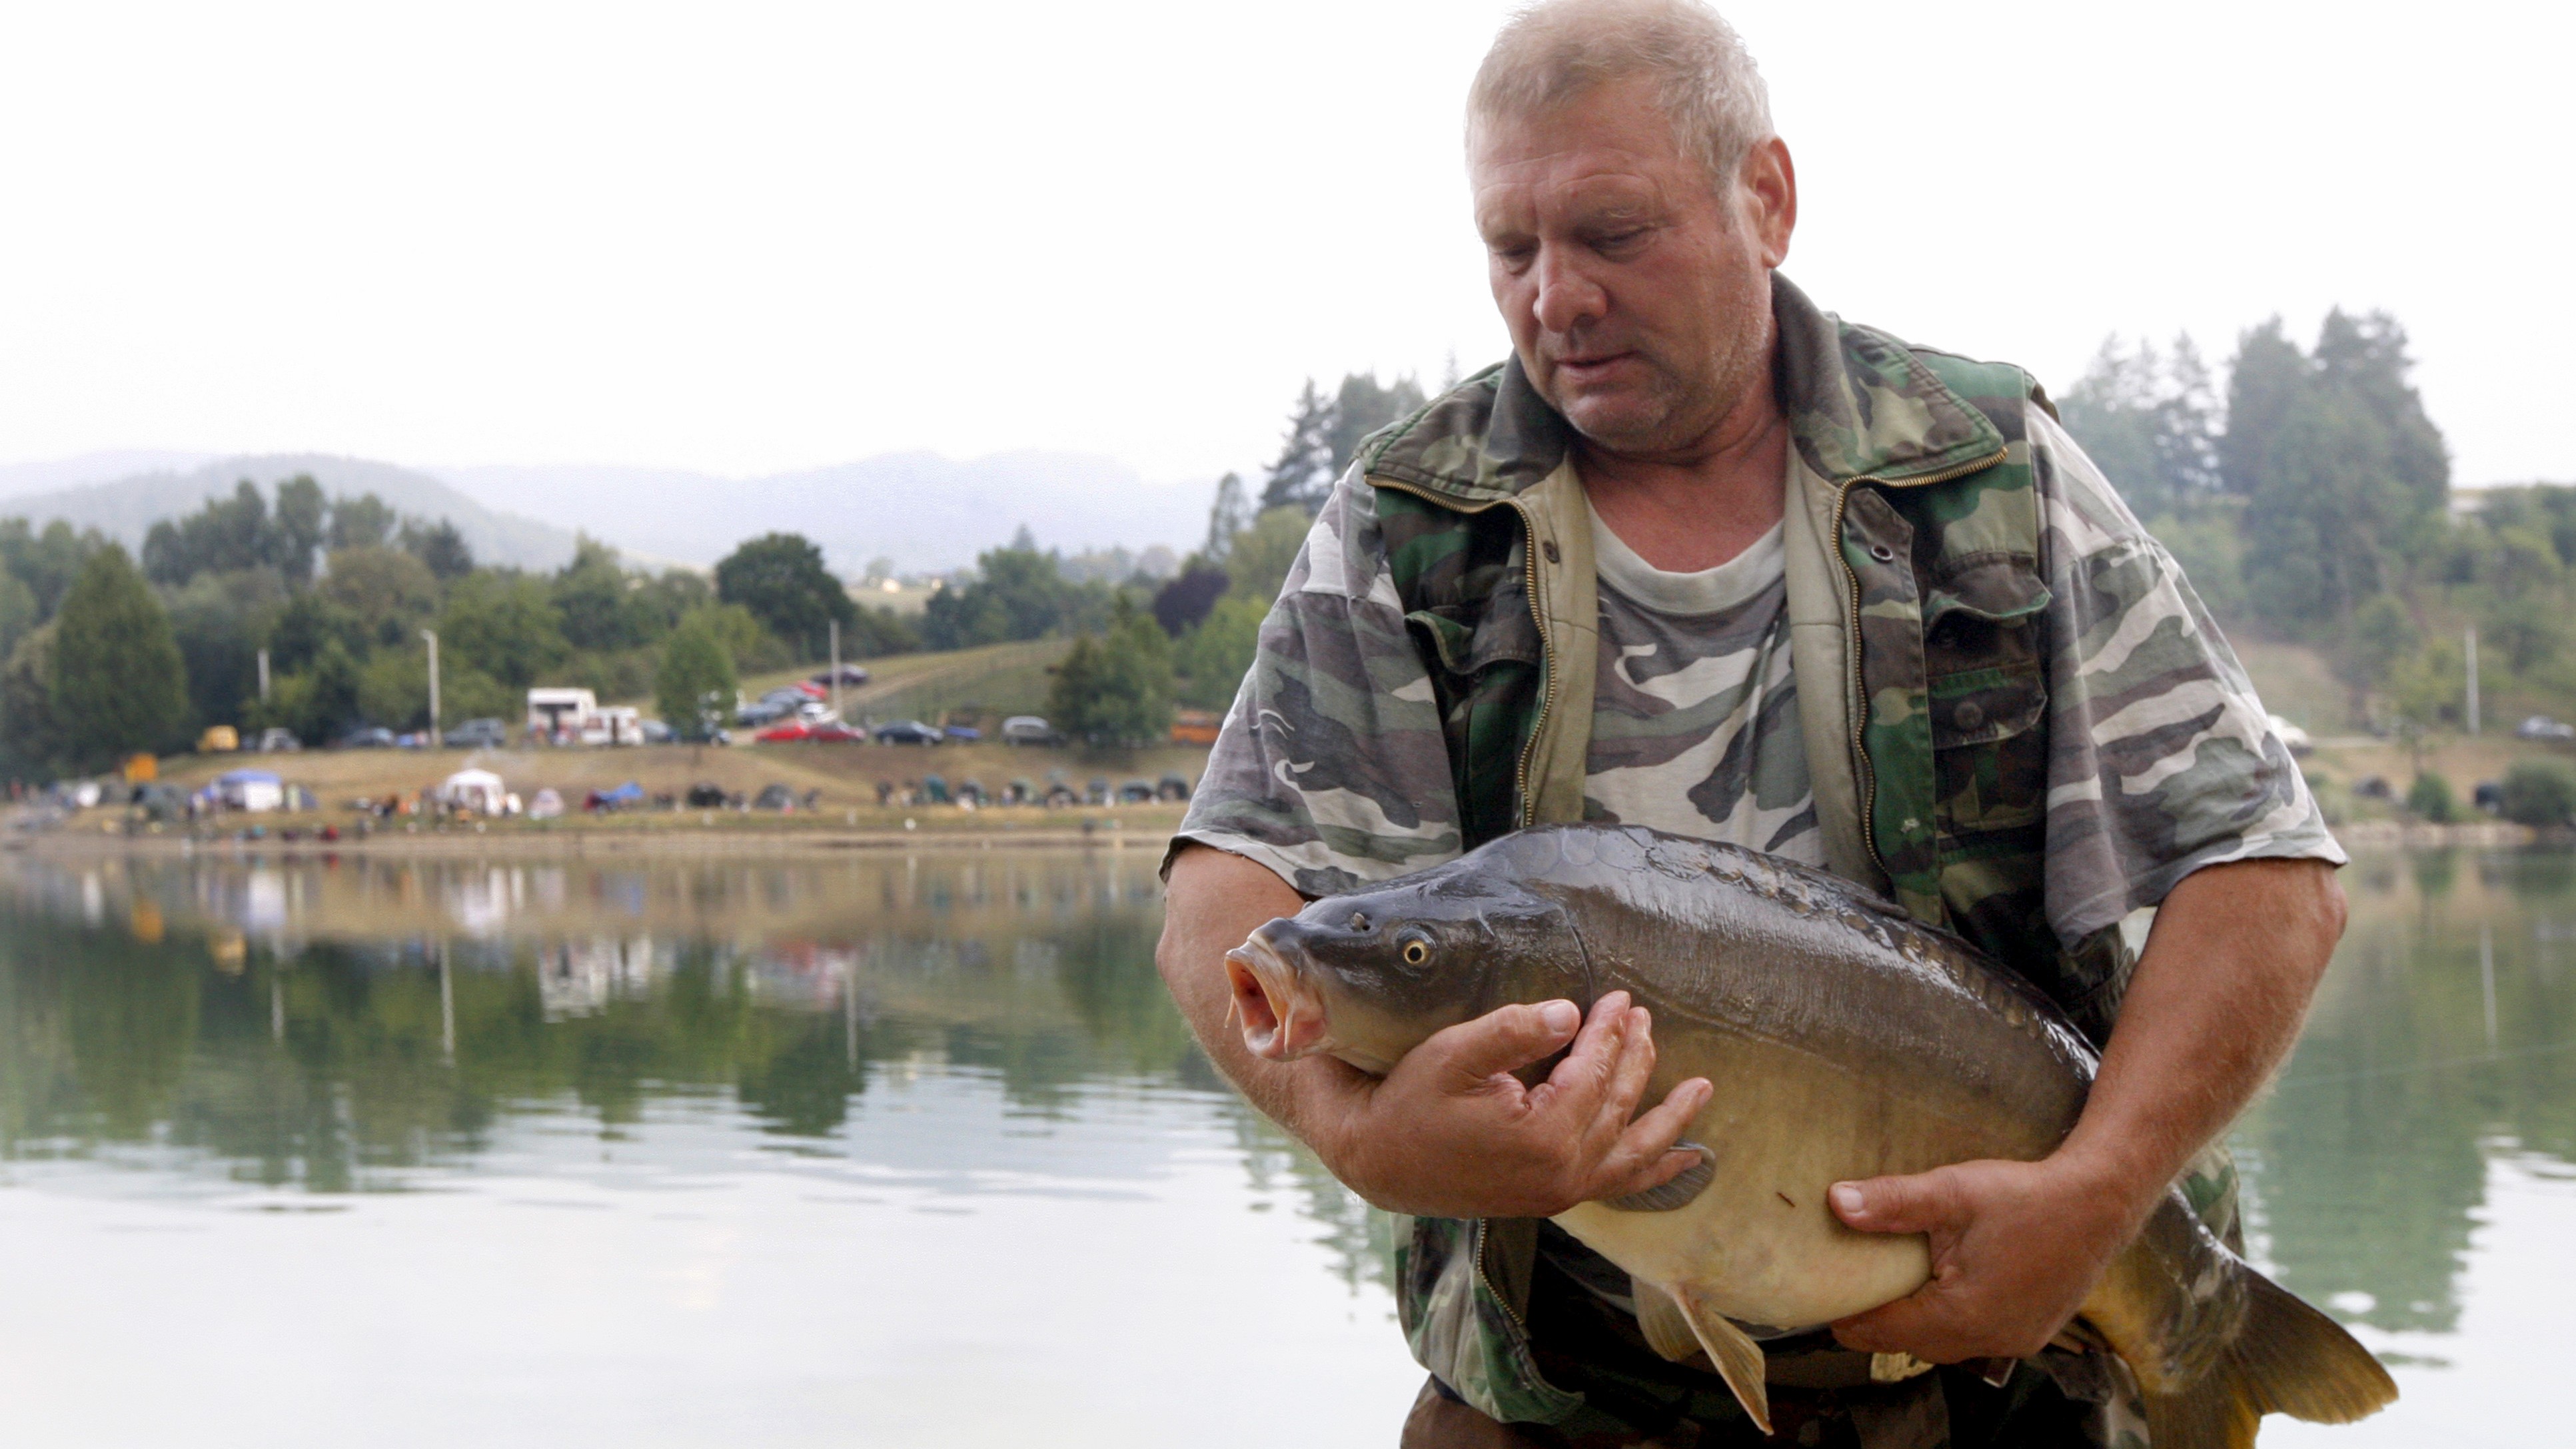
(1215, 900)
(2216, 1002)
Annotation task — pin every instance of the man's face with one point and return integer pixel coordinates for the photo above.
(1638, 294)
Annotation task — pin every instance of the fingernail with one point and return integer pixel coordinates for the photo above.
(1847, 1199)
(1560, 1016)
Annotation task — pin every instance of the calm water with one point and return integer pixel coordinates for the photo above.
(912, 1151)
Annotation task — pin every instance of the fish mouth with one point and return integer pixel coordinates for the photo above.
(1281, 1015)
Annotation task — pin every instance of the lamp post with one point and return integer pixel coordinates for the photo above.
(836, 670)
(435, 739)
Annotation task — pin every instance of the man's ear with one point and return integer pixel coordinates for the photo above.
(1767, 187)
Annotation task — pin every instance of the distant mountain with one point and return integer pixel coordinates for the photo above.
(919, 509)
(54, 474)
(127, 507)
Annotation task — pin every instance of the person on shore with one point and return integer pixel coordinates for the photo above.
(1702, 556)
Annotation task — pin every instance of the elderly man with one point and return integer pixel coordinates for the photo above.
(1703, 557)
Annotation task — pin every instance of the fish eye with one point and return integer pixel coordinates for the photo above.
(1416, 951)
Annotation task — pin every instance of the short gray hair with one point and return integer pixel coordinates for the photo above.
(1554, 51)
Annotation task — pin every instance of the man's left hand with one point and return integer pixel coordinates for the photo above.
(2016, 1246)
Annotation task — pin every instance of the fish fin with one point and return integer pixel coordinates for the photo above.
(1895, 1368)
(1738, 1358)
(1667, 1331)
(2286, 1358)
(1683, 1190)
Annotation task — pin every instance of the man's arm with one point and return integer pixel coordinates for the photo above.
(2215, 1003)
(1450, 1132)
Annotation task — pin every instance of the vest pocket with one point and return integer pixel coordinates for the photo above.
(1986, 684)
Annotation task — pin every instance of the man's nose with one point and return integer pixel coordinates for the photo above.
(1567, 297)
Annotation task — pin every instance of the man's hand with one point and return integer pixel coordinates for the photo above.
(2214, 1005)
(1452, 1133)
(2016, 1246)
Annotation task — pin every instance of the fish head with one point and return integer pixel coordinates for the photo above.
(1368, 976)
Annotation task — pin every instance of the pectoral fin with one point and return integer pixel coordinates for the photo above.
(1680, 1192)
(1738, 1358)
(1667, 1331)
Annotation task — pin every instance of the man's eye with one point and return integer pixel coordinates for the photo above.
(1619, 240)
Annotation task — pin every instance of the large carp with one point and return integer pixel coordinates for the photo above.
(1845, 1041)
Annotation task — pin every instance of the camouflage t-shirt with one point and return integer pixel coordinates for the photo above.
(1695, 709)
(1332, 769)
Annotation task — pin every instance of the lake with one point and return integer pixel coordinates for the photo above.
(906, 1150)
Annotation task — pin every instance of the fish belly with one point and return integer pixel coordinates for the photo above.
(1761, 1242)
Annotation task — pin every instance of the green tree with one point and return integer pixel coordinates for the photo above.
(2149, 421)
(297, 527)
(2343, 472)
(2430, 797)
(118, 685)
(220, 622)
(46, 562)
(1324, 435)
(780, 578)
(362, 522)
(1116, 690)
(387, 592)
(225, 536)
(596, 598)
(2538, 793)
(28, 736)
(1017, 593)
(1211, 658)
(1263, 553)
(505, 626)
(694, 685)
(440, 546)
(1229, 515)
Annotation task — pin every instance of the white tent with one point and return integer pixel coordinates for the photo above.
(476, 790)
(250, 790)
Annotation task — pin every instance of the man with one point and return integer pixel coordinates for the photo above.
(1702, 557)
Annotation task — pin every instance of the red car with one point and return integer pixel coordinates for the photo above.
(829, 732)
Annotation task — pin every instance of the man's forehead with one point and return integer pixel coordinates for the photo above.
(1587, 180)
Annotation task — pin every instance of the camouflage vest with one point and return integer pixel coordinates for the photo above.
(1936, 522)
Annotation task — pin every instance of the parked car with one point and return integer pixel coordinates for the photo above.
(366, 737)
(479, 734)
(850, 674)
(907, 732)
(1028, 729)
(820, 732)
(274, 738)
(2542, 727)
(657, 733)
(962, 734)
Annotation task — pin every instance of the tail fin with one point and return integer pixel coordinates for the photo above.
(2288, 1358)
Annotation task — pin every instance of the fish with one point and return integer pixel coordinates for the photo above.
(1844, 1041)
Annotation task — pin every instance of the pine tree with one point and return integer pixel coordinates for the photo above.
(118, 684)
(1303, 475)
(1229, 515)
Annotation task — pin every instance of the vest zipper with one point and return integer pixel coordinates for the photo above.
(1476, 1257)
(1851, 642)
(1547, 658)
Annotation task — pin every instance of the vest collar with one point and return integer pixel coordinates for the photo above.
(1860, 405)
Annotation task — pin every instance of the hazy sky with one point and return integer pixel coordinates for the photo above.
(756, 236)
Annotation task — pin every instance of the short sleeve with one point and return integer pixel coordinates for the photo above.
(2161, 758)
(1331, 768)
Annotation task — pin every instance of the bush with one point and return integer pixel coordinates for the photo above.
(2539, 793)
(2430, 797)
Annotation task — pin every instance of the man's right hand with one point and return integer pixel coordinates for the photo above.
(1451, 1132)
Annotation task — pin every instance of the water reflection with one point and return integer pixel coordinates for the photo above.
(947, 1034)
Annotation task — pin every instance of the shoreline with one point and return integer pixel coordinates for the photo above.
(579, 843)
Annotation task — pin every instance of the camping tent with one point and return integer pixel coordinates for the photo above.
(480, 791)
(250, 790)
